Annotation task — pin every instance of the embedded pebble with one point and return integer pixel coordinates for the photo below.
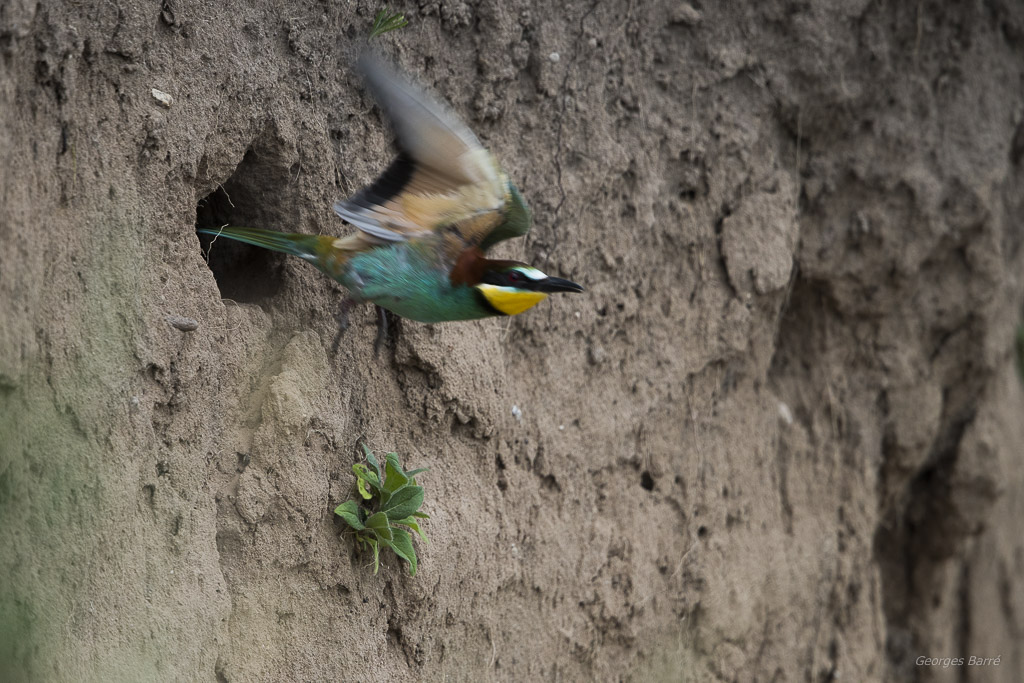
(163, 98)
(183, 324)
(684, 13)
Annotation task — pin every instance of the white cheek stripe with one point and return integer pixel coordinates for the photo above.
(532, 273)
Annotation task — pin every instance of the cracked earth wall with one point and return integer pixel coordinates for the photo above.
(778, 438)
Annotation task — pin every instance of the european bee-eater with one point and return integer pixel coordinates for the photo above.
(424, 225)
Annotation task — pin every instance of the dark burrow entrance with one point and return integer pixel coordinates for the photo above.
(253, 197)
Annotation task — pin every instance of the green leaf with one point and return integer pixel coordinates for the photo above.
(412, 524)
(364, 477)
(403, 502)
(397, 498)
(394, 477)
(386, 21)
(376, 552)
(379, 524)
(363, 473)
(372, 459)
(349, 511)
(402, 545)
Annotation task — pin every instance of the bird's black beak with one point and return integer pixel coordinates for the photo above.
(556, 284)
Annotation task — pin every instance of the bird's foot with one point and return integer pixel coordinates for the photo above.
(342, 317)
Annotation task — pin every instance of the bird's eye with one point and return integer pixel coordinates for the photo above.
(515, 276)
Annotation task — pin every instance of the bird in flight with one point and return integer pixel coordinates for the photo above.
(425, 225)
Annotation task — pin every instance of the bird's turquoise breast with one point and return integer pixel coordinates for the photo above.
(410, 282)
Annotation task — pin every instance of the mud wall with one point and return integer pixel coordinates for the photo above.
(779, 438)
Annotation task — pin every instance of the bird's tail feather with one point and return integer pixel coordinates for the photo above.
(303, 246)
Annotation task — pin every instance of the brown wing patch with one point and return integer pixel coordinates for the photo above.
(471, 265)
(469, 232)
(469, 268)
(410, 202)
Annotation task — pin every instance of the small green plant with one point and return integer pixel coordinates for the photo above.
(385, 21)
(393, 498)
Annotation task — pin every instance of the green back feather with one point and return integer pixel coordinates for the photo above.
(405, 279)
(517, 220)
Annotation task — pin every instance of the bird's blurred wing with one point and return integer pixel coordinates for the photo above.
(443, 178)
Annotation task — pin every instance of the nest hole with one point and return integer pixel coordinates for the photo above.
(252, 197)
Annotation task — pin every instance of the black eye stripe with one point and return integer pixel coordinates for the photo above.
(507, 278)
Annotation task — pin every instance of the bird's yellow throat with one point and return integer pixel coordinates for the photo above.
(511, 301)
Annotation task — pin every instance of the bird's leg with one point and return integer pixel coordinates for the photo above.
(341, 316)
(382, 330)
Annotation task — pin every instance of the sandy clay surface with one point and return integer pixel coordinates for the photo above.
(779, 438)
